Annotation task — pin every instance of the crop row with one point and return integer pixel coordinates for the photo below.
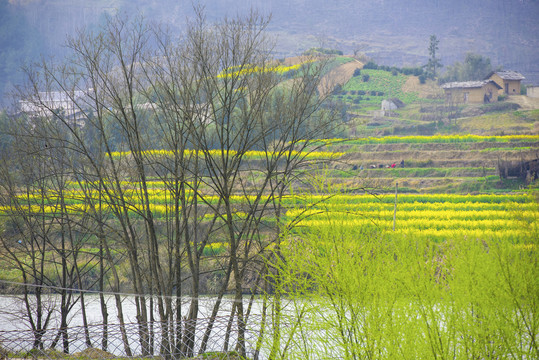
(160, 195)
(349, 199)
(236, 71)
(250, 155)
(435, 216)
(428, 172)
(418, 139)
(433, 213)
(416, 224)
(372, 211)
(511, 217)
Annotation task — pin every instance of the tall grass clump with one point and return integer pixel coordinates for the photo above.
(361, 293)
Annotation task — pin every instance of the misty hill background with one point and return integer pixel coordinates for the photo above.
(391, 32)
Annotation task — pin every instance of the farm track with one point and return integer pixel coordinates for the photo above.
(437, 159)
(463, 157)
(338, 76)
(442, 173)
(412, 184)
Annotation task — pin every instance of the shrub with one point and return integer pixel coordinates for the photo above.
(320, 50)
(500, 106)
(418, 71)
(422, 78)
(408, 71)
(337, 89)
(357, 72)
(370, 65)
(290, 73)
(366, 78)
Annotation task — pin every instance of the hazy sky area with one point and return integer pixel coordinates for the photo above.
(391, 32)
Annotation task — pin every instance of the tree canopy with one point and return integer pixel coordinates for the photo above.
(474, 67)
(434, 63)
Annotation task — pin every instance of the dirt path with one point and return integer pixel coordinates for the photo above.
(525, 102)
(296, 60)
(340, 75)
(428, 90)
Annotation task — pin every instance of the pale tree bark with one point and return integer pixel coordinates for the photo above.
(207, 100)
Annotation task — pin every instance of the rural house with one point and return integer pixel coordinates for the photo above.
(508, 80)
(484, 91)
(46, 104)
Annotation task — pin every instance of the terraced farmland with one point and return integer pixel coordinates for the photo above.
(436, 217)
(455, 164)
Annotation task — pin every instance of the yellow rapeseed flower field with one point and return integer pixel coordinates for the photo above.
(435, 216)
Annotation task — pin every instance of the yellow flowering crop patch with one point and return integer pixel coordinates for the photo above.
(512, 217)
(418, 139)
(249, 155)
(435, 216)
(236, 71)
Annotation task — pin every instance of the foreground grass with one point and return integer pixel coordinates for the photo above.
(359, 293)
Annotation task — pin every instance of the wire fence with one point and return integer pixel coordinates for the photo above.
(133, 340)
(90, 337)
(35, 329)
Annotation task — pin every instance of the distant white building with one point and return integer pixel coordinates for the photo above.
(48, 104)
(532, 91)
(389, 105)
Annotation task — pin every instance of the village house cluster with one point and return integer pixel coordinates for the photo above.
(505, 82)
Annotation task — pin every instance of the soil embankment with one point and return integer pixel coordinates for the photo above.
(338, 76)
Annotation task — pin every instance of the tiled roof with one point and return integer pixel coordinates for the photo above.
(467, 84)
(507, 75)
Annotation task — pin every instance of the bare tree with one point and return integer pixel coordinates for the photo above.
(207, 100)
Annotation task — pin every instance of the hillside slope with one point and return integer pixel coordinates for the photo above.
(393, 32)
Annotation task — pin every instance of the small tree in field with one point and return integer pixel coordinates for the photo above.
(434, 63)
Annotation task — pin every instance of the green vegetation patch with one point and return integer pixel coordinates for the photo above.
(499, 123)
(335, 62)
(373, 86)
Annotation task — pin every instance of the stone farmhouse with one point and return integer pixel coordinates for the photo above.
(477, 92)
(509, 81)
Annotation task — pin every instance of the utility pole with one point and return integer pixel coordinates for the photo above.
(395, 209)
